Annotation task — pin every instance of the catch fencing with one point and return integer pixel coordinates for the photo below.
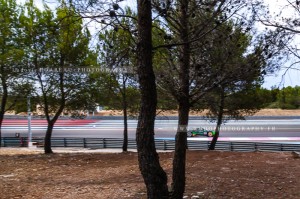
(116, 143)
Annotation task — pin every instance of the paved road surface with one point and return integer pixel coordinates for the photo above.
(261, 130)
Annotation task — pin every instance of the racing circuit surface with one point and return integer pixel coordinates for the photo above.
(248, 130)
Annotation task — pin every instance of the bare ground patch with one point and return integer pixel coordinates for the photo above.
(116, 175)
(262, 112)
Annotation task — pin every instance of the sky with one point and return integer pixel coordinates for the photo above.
(280, 78)
(291, 77)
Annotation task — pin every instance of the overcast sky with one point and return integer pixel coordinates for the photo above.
(291, 77)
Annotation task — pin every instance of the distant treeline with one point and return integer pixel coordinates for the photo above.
(284, 98)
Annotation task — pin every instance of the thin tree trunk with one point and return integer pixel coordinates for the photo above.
(125, 133)
(219, 121)
(215, 138)
(51, 122)
(3, 105)
(154, 176)
(47, 141)
(179, 162)
(1, 121)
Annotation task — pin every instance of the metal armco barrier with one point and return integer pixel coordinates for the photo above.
(102, 143)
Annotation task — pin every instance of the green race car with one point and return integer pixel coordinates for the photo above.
(200, 131)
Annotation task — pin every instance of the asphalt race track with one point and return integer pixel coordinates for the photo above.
(249, 130)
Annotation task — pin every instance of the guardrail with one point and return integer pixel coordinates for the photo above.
(103, 143)
(159, 117)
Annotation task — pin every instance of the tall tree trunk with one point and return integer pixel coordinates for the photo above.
(51, 122)
(179, 162)
(125, 133)
(47, 141)
(154, 176)
(219, 121)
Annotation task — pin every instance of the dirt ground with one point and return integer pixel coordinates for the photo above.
(278, 112)
(26, 174)
(263, 112)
